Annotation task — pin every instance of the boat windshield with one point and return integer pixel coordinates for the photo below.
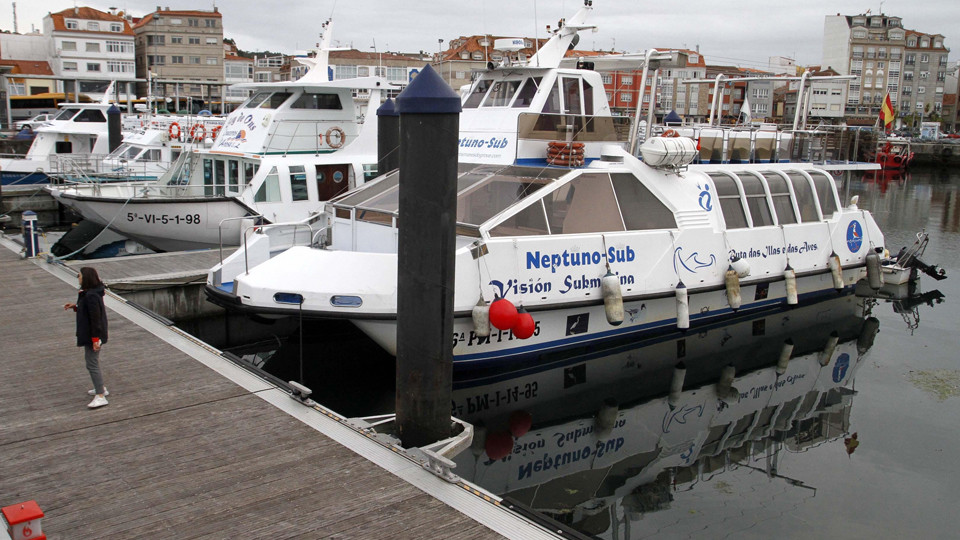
(483, 191)
(66, 114)
(125, 151)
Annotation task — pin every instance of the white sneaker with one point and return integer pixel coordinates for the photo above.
(98, 401)
(94, 392)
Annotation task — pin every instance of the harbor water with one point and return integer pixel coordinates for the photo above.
(596, 441)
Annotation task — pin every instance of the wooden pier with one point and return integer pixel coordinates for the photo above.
(192, 445)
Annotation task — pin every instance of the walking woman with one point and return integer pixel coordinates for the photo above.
(91, 329)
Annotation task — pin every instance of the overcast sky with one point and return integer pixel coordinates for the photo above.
(741, 33)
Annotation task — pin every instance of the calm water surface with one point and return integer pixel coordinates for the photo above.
(902, 400)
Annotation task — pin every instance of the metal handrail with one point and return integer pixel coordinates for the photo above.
(220, 231)
(246, 261)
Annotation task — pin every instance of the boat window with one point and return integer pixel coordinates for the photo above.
(257, 99)
(152, 154)
(586, 204)
(233, 174)
(270, 189)
(502, 93)
(91, 115)
(388, 200)
(824, 187)
(63, 147)
(276, 100)
(318, 101)
(805, 199)
(730, 205)
(493, 195)
(782, 203)
(361, 196)
(208, 177)
(756, 200)
(219, 180)
(66, 114)
(587, 99)
(480, 90)
(530, 221)
(125, 151)
(298, 182)
(571, 96)
(552, 104)
(249, 170)
(641, 209)
(527, 92)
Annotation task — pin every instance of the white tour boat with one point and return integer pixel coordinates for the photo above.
(288, 148)
(567, 243)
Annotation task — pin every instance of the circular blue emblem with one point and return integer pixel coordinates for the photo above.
(840, 369)
(854, 236)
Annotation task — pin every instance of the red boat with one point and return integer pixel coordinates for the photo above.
(894, 155)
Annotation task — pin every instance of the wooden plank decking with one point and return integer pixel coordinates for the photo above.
(180, 452)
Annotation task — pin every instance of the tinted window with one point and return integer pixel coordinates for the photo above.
(782, 203)
(756, 200)
(298, 183)
(317, 101)
(270, 189)
(730, 206)
(641, 209)
(502, 93)
(257, 99)
(527, 91)
(90, 115)
(824, 187)
(476, 96)
(66, 114)
(586, 204)
(528, 222)
(805, 199)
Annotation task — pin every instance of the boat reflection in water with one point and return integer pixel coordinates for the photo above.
(690, 407)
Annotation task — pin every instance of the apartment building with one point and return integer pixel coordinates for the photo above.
(925, 68)
(467, 53)
(237, 70)
(398, 69)
(90, 47)
(183, 46)
(623, 88)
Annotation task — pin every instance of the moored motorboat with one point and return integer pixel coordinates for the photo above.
(664, 234)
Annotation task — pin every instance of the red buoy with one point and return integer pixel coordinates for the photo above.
(503, 314)
(499, 444)
(520, 422)
(525, 325)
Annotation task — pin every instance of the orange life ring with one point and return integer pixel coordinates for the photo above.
(215, 132)
(561, 144)
(564, 152)
(338, 140)
(575, 162)
(670, 133)
(174, 134)
(198, 128)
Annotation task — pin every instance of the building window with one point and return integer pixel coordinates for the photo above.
(93, 46)
(924, 58)
(396, 73)
(211, 61)
(626, 80)
(212, 41)
(912, 42)
(461, 75)
(345, 72)
(156, 60)
(68, 45)
(193, 22)
(924, 43)
(72, 25)
(121, 67)
(93, 66)
(70, 66)
(176, 40)
(194, 40)
(625, 97)
(176, 59)
(120, 47)
(155, 40)
(116, 27)
(93, 26)
(194, 59)
(211, 23)
(175, 21)
(921, 89)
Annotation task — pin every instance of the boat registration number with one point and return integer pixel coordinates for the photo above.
(165, 219)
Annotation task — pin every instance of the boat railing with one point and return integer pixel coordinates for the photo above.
(220, 231)
(303, 136)
(574, 127)
(266, 229)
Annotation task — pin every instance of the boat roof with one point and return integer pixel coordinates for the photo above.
(359, 83)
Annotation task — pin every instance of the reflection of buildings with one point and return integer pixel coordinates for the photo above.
(600, 475)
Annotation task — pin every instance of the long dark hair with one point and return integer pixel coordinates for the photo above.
(89, 278)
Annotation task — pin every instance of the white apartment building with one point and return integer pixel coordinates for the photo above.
(237, 70)
(92, 48)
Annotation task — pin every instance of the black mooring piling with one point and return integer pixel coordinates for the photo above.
(388, 137)
(429, 128)
(114, 124)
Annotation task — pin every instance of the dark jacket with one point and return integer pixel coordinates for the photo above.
(91, 316)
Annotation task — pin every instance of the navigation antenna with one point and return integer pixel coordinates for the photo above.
(15, 18)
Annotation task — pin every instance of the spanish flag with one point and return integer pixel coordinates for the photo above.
(886, 112)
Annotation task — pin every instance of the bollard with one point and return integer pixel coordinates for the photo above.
(23, 521)
(429, 129)
(114, 128)
(31, 240)
(388, 138)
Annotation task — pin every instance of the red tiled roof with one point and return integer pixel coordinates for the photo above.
(87, 14)
(354, 54)
(471, 44)
(170, 13)
(235, 58)
(27, 67)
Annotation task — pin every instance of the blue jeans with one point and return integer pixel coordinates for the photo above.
(93, 366)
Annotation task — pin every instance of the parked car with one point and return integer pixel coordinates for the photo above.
(35, 122)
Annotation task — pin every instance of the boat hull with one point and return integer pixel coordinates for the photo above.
(166, 225)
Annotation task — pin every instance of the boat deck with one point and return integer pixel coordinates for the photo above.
(192, 445)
